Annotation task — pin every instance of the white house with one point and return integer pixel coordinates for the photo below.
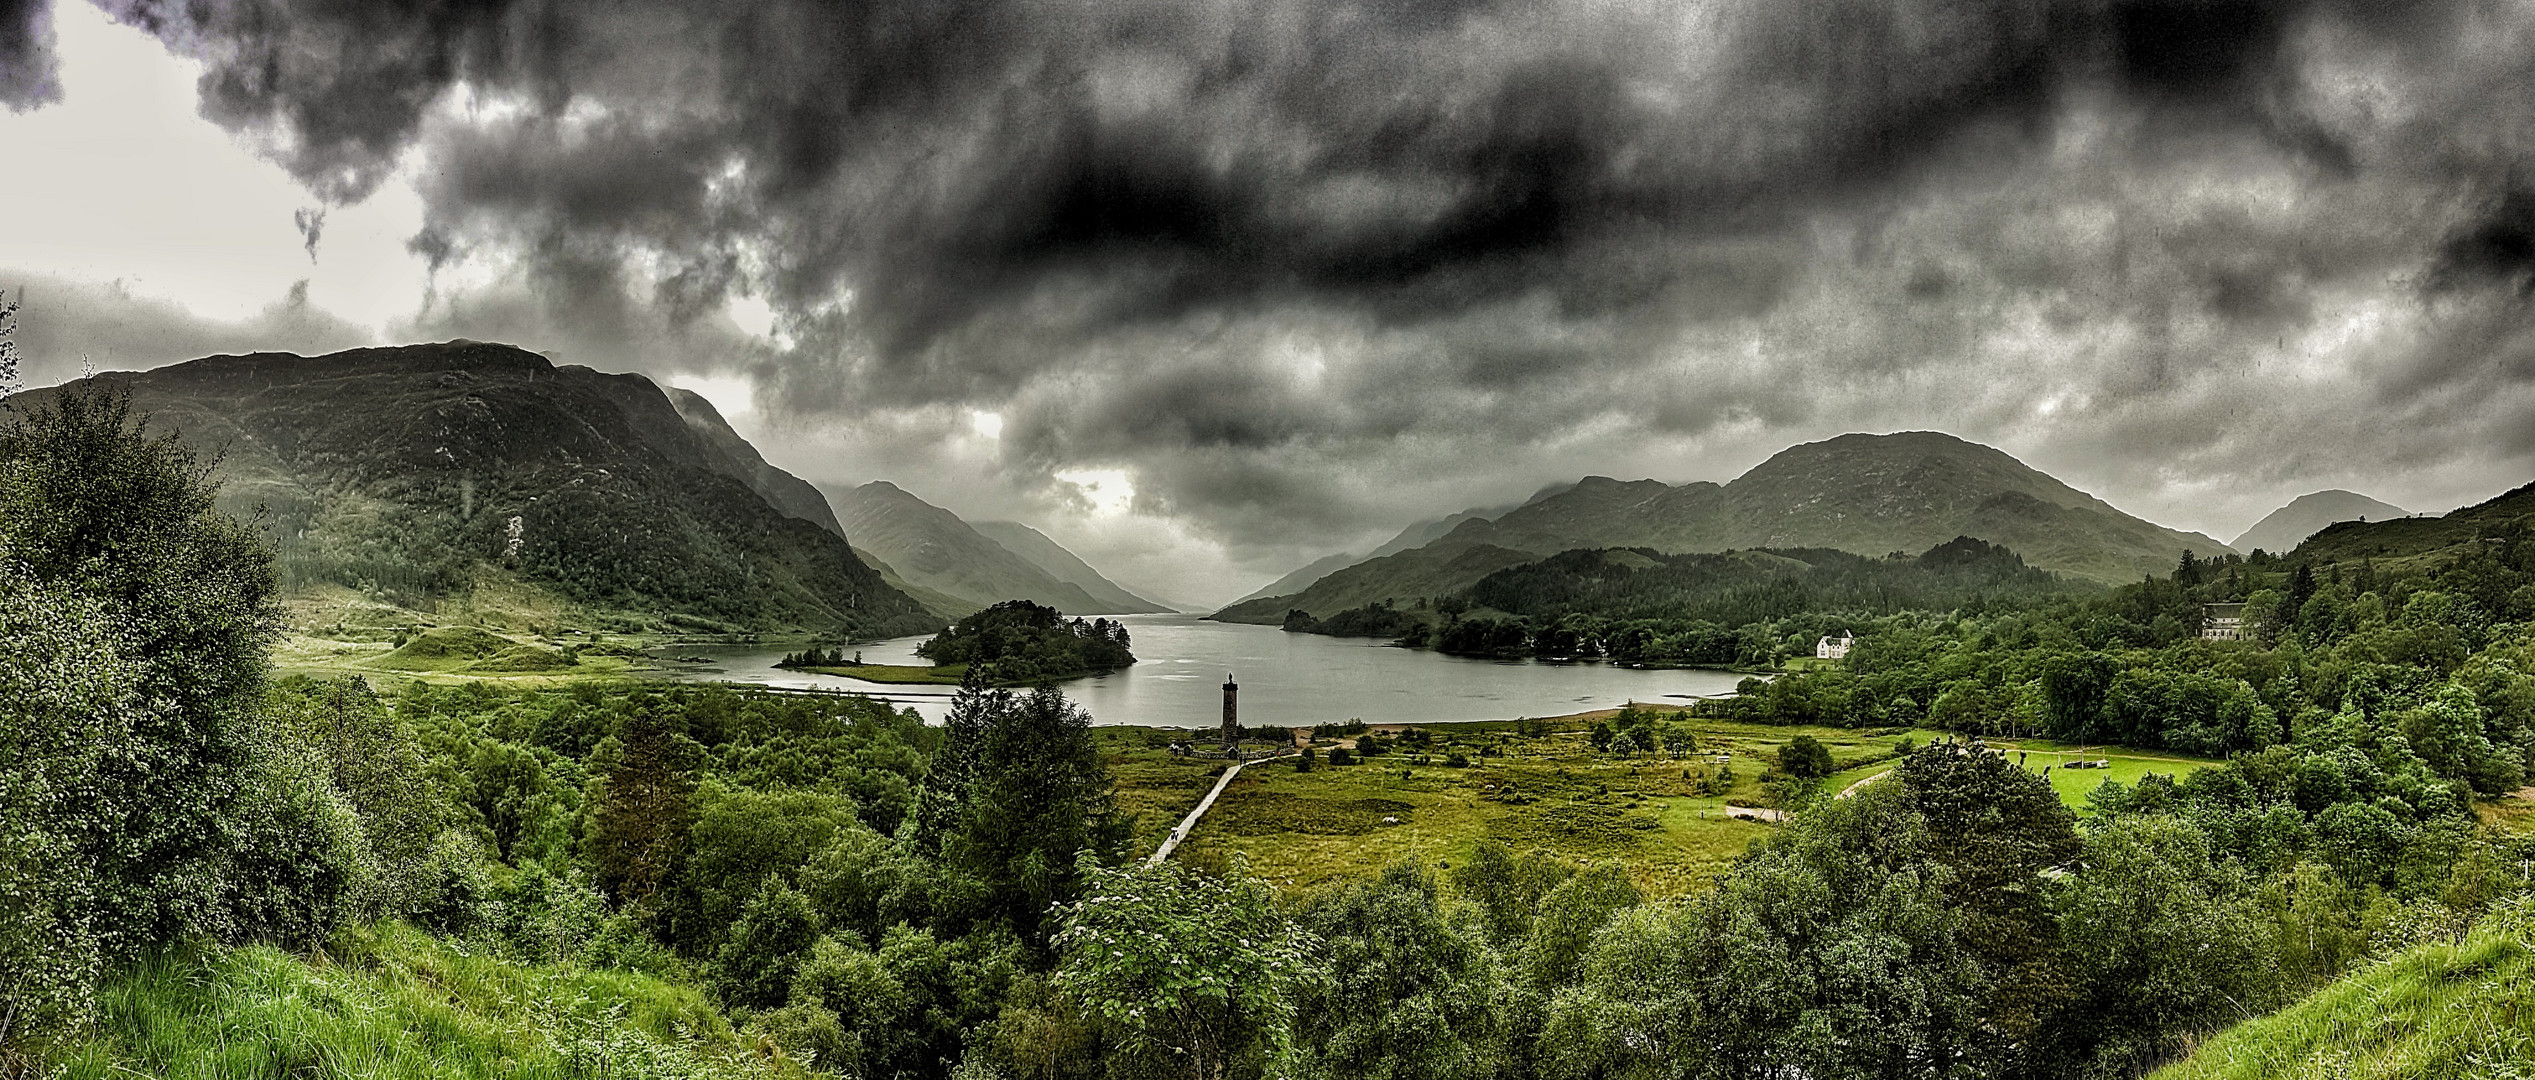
(1834, 647)
(2223, 622)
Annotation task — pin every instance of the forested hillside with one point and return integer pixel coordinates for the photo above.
(398, 472)
(2505, 518)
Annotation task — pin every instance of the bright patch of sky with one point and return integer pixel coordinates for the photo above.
(1108, 491)
(122, 180)
(733, 396)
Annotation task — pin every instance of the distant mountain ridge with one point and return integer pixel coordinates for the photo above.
(934, 549)
(2283, 529)
(400, 472)
(1064, 565)
(1414, 536)
(1868, 494)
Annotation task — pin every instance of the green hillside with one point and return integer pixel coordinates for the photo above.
(2281, 530)
(1866, 494)
(2436, 1012)
(2416, 538)
(1910, 491)
(398, 472)
(390, 1001)
(1748, 586)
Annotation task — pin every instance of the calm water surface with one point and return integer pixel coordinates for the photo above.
(1290, 679)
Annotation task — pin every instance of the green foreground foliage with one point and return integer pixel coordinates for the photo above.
(2462, 1009)
(392, 1001)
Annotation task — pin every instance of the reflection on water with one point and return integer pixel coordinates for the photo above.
(1291, 679)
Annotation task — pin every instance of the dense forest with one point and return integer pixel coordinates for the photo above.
(858, 894)
(1019, 642)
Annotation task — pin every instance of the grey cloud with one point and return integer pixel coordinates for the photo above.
(1289, 261)
(65, 324)
(27, 67)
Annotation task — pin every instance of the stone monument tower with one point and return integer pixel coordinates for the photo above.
(1231, 711)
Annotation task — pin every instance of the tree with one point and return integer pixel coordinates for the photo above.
(1019, 790)
(1835, 949)
(753, 968)
(119, 526)
(1805, 757)
(1635, 1011)
(1998, 830)
(1193, 973)
(507, 789)
(1408, 994)
(1567, 918)
(11, 380)
(637, 829)
(2160, 941)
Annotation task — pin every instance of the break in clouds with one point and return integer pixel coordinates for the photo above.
(1304, 270)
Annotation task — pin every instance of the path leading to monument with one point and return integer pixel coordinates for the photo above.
(1171, 843)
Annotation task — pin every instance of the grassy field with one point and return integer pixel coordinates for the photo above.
(2073, 785)
(1528, 784)
(391, 1001)
(2436, 1012)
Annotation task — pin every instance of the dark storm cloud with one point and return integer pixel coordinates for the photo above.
(27, 75)
(1287, 260)
(2496, 246)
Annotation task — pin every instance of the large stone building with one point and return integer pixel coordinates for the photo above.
(2223, 622)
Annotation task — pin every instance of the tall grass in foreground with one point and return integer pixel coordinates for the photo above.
(392, 1001)
(2435, 1012)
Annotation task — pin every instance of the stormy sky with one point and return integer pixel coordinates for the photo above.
(1208, 289)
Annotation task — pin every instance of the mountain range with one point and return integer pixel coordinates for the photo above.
(959, 569)
(1414, 536)
(1869, 494)
(425, 473)
(2282, 530)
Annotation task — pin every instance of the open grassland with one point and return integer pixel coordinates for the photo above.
(2126, 767)
(392, 1001)
(2436, 1012)
(1527, 784)
(2513, 814)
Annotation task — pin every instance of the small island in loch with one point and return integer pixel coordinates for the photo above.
(1020, 644)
